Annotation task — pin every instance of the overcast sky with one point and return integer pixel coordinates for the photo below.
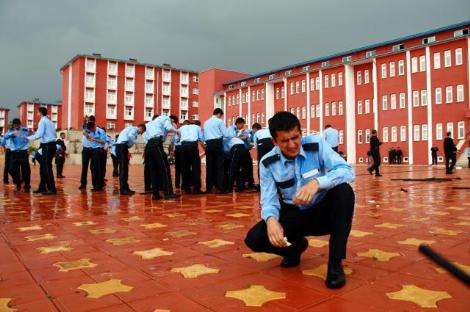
(37, 37)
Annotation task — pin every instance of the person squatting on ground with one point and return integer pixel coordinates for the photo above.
(19, 161)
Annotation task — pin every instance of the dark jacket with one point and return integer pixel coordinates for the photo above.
(449, 146)
(374, 144)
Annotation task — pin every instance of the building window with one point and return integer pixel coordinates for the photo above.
(392, 69)
(303, 86)
(414, 64)
(304, 112)
(447, 59)
(149, 100)
(449, 94)
(366, 107)
(393, 101)
(422, 63)
(297, 87)
(450, 128)
(327, 109)
(148, 113)
(403, 133)
(312, 111)
(326, 81)
(262, 118)
(111, 110)
(424, 98)
(438, 131)
(333, 80)
(318, 112)
(262, 94)
(129, 111)
(415, 98)
(385, 134)
(292, 90)
(359, 107)
(401, 67)
(358, 78)
(384, 102)
(394, 134)
(317, 83)
(438, 95)
(195, 78)
(112, 97)
(458, 56)
(416, 132)
(341, 137)
(195, 91)
(366, 76)
(402, 100)
(461, 130)
(460, 96)
(340, 79)
(359, 136)
(333, 109)
(277, 94)
(340, 108)
(312, 84)
(424, 132)
(184, 115)
(283, 92)
(384, 70)
(367, 136)
(437, 60)
(110, 125)
(195, 104)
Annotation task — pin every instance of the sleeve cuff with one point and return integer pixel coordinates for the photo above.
(267, 213)
(324, 182)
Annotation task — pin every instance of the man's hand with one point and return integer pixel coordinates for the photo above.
(276, 233)
(306, 193)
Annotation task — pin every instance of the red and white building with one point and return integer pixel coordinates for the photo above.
(4, 118)
(28, 113)
(123, 92)
(411, 89)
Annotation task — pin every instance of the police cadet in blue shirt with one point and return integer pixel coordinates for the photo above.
(235, 149)
(331, 136)
(214, 132)
(175, 155)
(158, 160)
(86, 153)
(6, 144)
(114, 156)
(60, 155)
(19, 155)
(47, 136)
(191, 136)
(97, 138)
(126, 139)
(304, 191)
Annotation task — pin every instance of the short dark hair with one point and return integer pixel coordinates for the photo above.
(174, 118)
(328, 126)
(448, 133)
(283, 121)
(239, 120)
(16, 121)
(218, 111)
(43, 111)
(155, 116)
(62, 133)
(256, 126)
(90, 125)
(91, 118)
(142, 126)
(186, 122)
(197, 122)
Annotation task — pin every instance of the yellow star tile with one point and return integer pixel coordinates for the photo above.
(4, 305)
(51, 249)
(415, 242)
(213, 210)
(33, 238)
(255, 295)
(443, 231)
(122, 241)
(98, 290)
(174, 215)
(317, 243)
(180, 233)
(389, 225)
(156, 225)
(464, 223)
(84, 223)
(133, 218)
(30, 228)
(378, 254)
(75, 265)
(455, 208)
(357, 233)
(216, 243)
(463, 267)
(229, 226)
(320, 271)
(237, 215)
(102, 231)
(195, 270)
(260, 256)
(437, 213)
(425, 298)
(152, 253)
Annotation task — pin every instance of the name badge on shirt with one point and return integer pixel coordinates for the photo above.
(310, 173)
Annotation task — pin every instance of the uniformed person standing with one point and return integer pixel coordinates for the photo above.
(175, 152)
(262, 142)
(331, 136)
(450, 153)
(126, 139)
(60, 155)
(97, 138)
(191, 136)
(375, 153)
(6, 144)
(86, 153)
(47, 136)
(247, 161)
(114, 156)
(158, 160)
(235, 149)
(214, 132)
(19, 163)
(304, 191)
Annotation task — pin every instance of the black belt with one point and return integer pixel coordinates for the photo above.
(123, 143)
(262, 141)
(189, 143)
(18, 151)
(48, 143)
(214, 140)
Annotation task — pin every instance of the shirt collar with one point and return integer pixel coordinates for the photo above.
(284, 159)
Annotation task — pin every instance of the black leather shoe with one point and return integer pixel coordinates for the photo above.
(171, 196)
(335, 277)
(127, 192)
(198, 192)
(39, 191)
(97, 189)
(27, 189)
(370, 171)
(82, 187)
(51, 192)
(156, 197)
(18, 188)
(294, 260)
(222, 192)
(378, 175)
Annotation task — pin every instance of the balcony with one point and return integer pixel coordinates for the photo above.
(166, 90)
(112, 69)
(130, 70)
(149, 87)
(149, 73)
(184, 92)
(112, 84)
(184, 78)
(90, 66)
(166, 75)
(130, 85)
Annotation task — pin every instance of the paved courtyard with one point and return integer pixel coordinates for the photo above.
(102, 252)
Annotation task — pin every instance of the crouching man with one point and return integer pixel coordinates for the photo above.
(304, 191)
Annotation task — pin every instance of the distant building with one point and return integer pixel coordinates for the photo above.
(28, 112)
(4, 118)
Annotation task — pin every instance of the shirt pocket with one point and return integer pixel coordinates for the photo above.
(287, 188)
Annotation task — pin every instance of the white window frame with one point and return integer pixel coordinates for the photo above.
(392, 69)
(384, 71)
(461, 130)
(327, 84)
(367, 106)
(340, 79)
(458, 56)
(333, 108)
(439, 131)
(385, 134)
(424, 97)
(394, 135)
(359, 107)
(422, 63)
(341, 136)
(359, 136)
(303, 85)
(359, 78)
(312, 84)
(393, 101)
(437, 60)
(424, 132)
(366, 76)
(450, 128)
(367, 136)
(449, 95)
(333, 80)
(438, 95)
(416, 133)
(401, 67)
(402, 100)
(327, 109)
(415, 98)
(460, 93)
(414, 65)
(340, 108)
(384, 102)
(447, 58)
(403, 134)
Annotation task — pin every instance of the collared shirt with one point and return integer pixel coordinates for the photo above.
(191, 133)
(16, 142)
(214, 128)
(46, 131)
(259, 135)
(99, 134)
(316, 160)
(145, 137)
(112, 143)
(128, 135)
(175, 140)
(230, 142)
(331, 136)
(7, 143)
(468, 151)
(159, 127)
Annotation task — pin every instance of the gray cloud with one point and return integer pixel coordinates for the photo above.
(38, 37)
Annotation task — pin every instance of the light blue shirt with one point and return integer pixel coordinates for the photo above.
(214, 128)
(17, 142)
(46, 131)
(316, 160)
(128, 135)
(259, 135)
(191, 133)
(331, 136)
(112, 143)
(230, 142)
(7, 143)
(159, 127)
(145, 137)
(468, 151)
(175, 140)
(99, 134)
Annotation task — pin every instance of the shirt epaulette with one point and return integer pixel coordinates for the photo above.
(310, 147)
(271, 159)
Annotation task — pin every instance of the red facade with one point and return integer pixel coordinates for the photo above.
(4, 119)
(28, 113)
